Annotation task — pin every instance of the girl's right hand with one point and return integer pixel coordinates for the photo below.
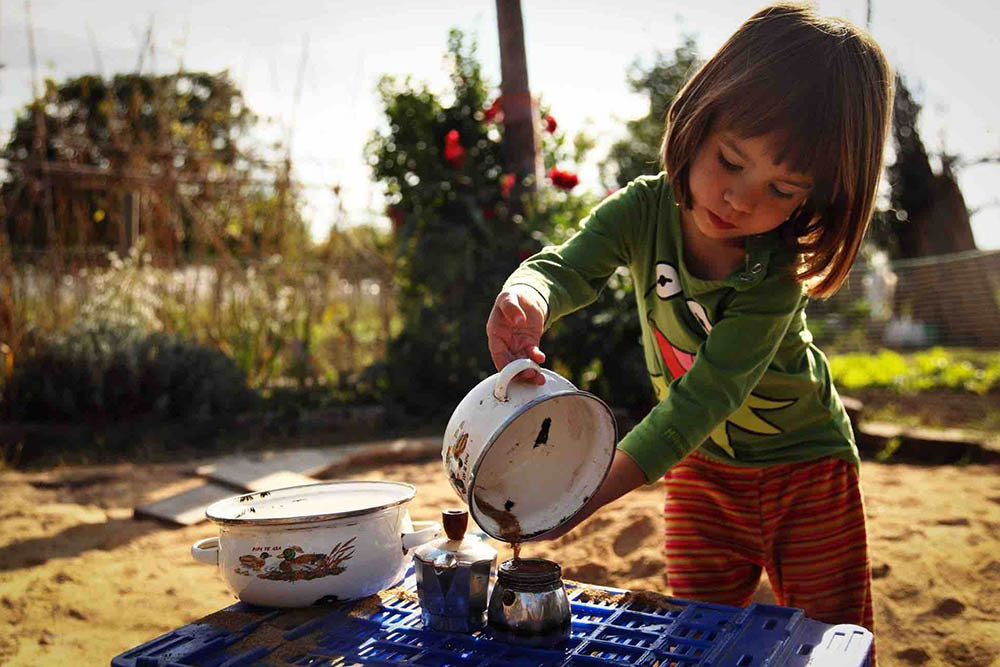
(515, 328)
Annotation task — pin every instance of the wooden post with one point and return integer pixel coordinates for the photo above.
(519, 145)
(130, 209)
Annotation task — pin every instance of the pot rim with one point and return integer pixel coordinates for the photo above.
(411, 491)
(469, 501)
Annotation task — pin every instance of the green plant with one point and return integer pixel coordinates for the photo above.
(457, 236)
(935, 368)
(99, 371)
(638, 152)
(171, 150)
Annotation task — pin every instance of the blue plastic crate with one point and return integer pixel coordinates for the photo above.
(676, 633)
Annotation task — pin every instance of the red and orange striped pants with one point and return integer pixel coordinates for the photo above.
(804, 523)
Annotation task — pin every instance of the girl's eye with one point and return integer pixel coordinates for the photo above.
(781, 195)
(726, 164)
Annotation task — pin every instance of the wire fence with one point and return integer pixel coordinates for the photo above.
(917, 340)
(303, 321)
(949, 300)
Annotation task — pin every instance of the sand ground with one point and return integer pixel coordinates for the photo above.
(82, 581)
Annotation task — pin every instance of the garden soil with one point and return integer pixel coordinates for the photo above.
(81, 581)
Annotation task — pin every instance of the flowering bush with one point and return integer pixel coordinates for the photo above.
(457, 239)
(454, 153)
(449, 192)
(564, 180)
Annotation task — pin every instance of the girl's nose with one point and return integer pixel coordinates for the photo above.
(738, 200)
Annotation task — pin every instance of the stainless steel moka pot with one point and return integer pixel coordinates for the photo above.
(529, 599)
(453, 577)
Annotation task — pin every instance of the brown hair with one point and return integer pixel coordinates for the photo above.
(825, 89)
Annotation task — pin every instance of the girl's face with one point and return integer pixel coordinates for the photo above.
(738, 191)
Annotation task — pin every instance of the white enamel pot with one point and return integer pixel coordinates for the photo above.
(291, 547)
(526, 457)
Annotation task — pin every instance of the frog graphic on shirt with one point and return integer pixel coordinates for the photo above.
(677, 361)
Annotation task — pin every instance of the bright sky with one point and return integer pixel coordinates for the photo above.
(578, 55)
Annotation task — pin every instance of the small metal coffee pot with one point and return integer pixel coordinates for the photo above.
(453, 577)
(529, 598)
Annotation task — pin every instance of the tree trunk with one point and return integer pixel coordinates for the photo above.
(519, 144)
(940, 228)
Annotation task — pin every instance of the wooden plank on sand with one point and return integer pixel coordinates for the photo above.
(186, 508)
(400, 450)
(263, 471)
(266, 471)
(279, 480)
(255, 471)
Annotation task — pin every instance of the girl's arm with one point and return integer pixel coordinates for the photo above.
(560, 279)
(624, 476)
(571, 275)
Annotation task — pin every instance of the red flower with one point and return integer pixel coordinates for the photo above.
(506, 185)
(397, 216)
(564, 180)
(550, 123)
(495, 112)
(454, 154)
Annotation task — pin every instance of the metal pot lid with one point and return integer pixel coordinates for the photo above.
(310, 503)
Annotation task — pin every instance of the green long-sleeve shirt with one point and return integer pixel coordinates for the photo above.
(732, 360)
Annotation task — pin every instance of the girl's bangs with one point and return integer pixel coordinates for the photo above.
(801, 119)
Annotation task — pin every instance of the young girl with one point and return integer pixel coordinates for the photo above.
(772, 153)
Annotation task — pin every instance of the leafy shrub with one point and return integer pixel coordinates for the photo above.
(936, 368)
(457, 236)
(102, 371)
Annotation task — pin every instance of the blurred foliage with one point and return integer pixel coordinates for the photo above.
(638, 153)
(102, 370)
(928, 215)
(205, 230)
(92, 157)
(935, 368)
(306, 322)
(457, 239)
(842, 324)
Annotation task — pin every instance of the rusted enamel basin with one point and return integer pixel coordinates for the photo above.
(526, 457)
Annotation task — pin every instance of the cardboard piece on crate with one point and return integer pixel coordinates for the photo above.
(186, 508)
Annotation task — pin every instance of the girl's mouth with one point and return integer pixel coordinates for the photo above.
(719, 222)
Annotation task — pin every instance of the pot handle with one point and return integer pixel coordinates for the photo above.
(206, 551)
(508, 373)
(425, 532)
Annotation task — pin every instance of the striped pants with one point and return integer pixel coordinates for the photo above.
(804, 523)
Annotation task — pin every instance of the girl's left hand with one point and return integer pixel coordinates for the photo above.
(624, 476)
